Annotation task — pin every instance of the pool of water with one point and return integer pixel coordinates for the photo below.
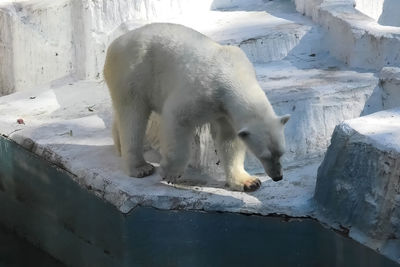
(185, 238)
(16, 252)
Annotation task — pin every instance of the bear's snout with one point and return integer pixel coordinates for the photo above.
(278, 178)
(273, 170)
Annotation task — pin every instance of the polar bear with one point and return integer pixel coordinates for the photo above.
(190, 80)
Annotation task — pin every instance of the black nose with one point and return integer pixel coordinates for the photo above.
(278, 178)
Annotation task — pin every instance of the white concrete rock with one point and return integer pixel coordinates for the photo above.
(358, 183)
(45, 40)
(372, 9)
(35, 50)
(352, 36)
(385, 12)
(317, 99)
(307, 7)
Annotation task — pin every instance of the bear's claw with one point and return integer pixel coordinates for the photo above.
(171, 179)
(142, 171)
(251, 185)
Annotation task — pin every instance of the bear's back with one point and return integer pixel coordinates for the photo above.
(167, 36)
(171, 31)
(162, 58)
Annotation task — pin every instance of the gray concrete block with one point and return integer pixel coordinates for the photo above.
(358, 183)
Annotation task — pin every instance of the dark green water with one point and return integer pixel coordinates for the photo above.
(224, 239)
(219, 239)
(16, 252)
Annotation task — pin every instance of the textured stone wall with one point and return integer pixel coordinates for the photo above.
(358, 183)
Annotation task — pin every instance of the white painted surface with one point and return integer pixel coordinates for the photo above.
(385, 12)
(382, 129)
(353, 37)
(371, 8)
(36, 50)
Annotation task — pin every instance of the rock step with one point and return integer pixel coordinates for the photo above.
(261, 36)
(358, 183)
(352, 36)
(317, 99)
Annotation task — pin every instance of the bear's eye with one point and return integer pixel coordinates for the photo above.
(266, 155)
(243, 133)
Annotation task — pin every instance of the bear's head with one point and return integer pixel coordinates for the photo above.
(266, 140)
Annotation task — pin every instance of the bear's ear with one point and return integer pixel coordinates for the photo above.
(284, 119)
(243, 133)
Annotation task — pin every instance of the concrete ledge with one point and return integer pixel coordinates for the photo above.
(74, 133)
(358, 181)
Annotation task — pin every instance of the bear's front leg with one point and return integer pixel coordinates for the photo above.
(242, 181)
(131, 127)
(232, 152)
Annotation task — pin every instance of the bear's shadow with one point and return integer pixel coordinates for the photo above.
(193, 175)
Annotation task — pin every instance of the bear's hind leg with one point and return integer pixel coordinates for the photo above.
(132, 122)
(175, 147)
(232, 152)
(115, 134)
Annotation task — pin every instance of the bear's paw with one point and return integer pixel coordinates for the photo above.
(142, 171)
(251, 184)
(244, 183)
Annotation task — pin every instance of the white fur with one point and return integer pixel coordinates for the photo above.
(190, 80)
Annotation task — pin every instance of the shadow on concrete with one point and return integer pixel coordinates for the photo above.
(374, 102)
